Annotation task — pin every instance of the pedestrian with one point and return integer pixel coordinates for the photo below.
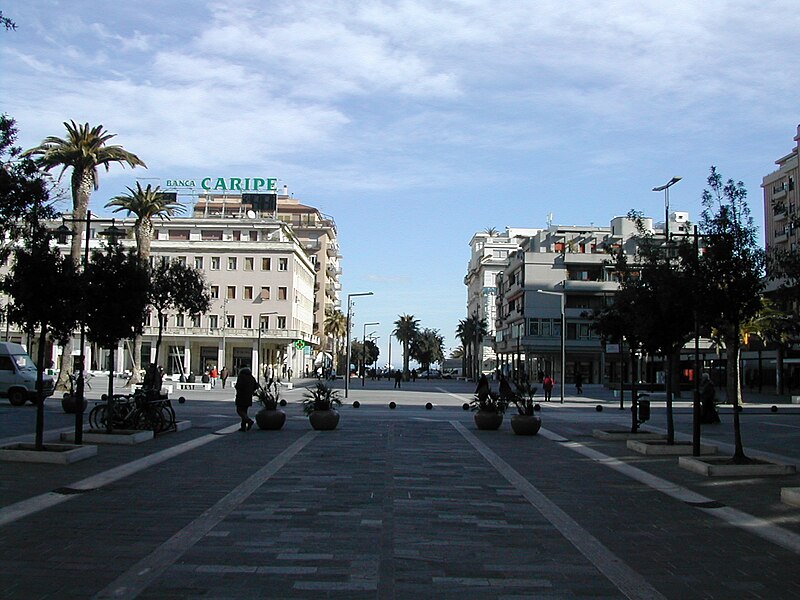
(223, 376)
(547, 385)
(398, 377)
(413, 374)
(289, 374)
(708, 409)
(483, 386)
(214, 376)
(578, 383)
(246, 386)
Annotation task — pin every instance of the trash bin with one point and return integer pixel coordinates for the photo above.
(644, 410)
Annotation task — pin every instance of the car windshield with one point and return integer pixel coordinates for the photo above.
(24, 362)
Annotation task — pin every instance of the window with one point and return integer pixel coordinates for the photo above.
(281, 322)
(195, 320)
(230, 321)
(179, 320)
(248, 263)
(179, 234)
(211, 235)
(266, 264)
(231, 263)
(214, 292)
(283, 264)
(231, 292)
(215, 263)
(253, 235)
(213, 321)
(237, 235)
(248, 292)
(264, 319)
(265, 293)
(283, 293)
(198, 262)
(247, 322)
(181, 260)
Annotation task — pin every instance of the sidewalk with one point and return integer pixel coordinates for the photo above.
(404, 503)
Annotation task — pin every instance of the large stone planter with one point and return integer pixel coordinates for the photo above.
(526, 424)
(70, 404)
(487, 420)
(270, 420)
(324, 420)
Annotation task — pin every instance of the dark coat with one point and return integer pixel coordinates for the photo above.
(246, 385)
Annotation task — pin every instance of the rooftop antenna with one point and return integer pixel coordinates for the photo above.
(549, 220)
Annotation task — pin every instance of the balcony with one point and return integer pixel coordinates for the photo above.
(598, 287)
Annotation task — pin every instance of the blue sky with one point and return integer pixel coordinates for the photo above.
(417, 123)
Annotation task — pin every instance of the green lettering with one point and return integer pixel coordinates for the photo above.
(272, 183)
(206, 183)
(236, 184)
(257, 183)
(220, 184)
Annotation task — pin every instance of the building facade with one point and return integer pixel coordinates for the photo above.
(489, 255)
(782, 201)
(559, 268)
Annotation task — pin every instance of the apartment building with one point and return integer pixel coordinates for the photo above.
(315, 231)
(262, 286)
(489, 255)
(782, 201)
(561, 267)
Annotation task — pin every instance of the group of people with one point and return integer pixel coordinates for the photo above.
(212, 375)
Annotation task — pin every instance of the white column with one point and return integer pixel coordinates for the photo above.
(187, 357)
(120, 358)
(254, 359)
(221, 362)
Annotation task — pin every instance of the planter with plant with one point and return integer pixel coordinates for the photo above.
(270, 417)
(489, 408)
(525, 422)
(320, 403)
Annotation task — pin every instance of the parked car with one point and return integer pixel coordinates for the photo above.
(18, 375)
(431, 374)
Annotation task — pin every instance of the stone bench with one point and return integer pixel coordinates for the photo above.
(184, 385)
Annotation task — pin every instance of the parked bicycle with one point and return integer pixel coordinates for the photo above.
(137, 411)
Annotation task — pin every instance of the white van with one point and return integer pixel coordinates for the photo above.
(18, 375)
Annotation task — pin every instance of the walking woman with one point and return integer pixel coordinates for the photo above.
(246, 386)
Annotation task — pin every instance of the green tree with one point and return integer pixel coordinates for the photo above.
(147, 204)
(335, 325)
(84, 150)
(44, 290)
(731, 270)
(471, 331)
(177, 287)
(427, 348)
(406, 328)
(116, 285)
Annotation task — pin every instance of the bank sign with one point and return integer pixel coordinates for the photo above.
(227, 184)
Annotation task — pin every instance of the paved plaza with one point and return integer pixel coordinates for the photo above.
(406, 503)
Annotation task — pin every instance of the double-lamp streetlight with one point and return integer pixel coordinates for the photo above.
(62, 232)
(364, 352)
(563, 335)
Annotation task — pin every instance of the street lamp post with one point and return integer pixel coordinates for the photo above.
(563, 337)
(349, 317)
(667, 387)
(258, 347)
(364, 352)
(62, 232)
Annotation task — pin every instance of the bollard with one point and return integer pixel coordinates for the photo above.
(599, 408)
(392, 405)
(644, 410)
(356, 403)
(428, 406)
(465, 406)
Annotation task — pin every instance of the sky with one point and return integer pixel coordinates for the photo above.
(416, 124)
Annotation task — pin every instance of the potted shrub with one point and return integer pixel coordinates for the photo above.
(270, 417)
(489, 408)
(525, 422)
(320, 403)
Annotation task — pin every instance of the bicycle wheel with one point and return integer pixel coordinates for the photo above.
(97, 417)
(168, 418)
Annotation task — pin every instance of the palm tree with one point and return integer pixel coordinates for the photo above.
(146, 204)
(83, 150)
(335, 325)
(471, 332)
(406, 329)
(491, 231)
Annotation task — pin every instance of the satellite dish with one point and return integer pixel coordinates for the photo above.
(251, 214)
